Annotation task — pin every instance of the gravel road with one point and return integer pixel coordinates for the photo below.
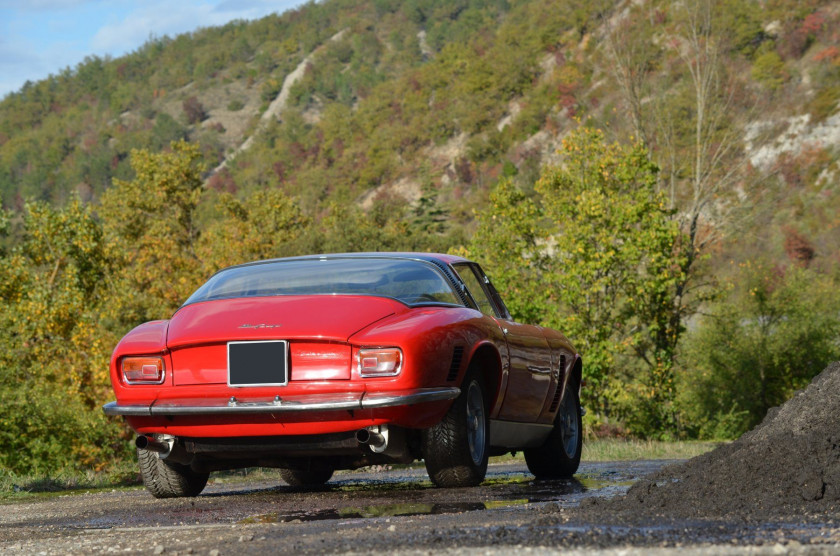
(393, 511)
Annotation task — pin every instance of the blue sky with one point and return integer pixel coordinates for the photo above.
(41, 37)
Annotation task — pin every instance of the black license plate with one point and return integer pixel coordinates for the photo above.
(258, 363)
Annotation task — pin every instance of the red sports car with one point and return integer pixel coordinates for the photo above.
(312, 364)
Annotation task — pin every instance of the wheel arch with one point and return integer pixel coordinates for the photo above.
(488, 361)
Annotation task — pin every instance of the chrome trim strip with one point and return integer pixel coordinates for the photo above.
(410, 397)
(112, 408)
(285, 405)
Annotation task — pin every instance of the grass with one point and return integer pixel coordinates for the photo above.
(14, 487)
(623, 450)
(616, 449)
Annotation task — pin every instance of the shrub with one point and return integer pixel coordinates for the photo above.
(194, 110)
(776, 331)
(824, 103)
(769, 70)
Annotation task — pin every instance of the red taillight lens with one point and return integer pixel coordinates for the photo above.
(143, 370)
(379, 362)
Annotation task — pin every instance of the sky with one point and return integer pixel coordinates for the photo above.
(42, 37)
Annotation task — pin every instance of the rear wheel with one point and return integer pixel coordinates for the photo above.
(455, 450)
(168, 479)
(312, 477)
(559, 456)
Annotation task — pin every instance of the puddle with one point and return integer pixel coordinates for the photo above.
(501, 489)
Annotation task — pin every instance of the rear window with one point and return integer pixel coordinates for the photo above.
(410, 281)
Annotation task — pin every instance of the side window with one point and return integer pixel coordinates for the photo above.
(475, 288)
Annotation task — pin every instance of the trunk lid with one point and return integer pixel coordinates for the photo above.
(315, 327)
(318, 317)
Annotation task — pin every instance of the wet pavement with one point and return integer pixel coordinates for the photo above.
(376, 510)
(505, 486)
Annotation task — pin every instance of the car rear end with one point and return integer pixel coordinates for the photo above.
(256, 377)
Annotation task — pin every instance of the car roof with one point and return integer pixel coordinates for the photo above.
(428, 257)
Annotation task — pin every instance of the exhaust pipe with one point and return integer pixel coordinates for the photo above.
(163, 448)
(375, 437)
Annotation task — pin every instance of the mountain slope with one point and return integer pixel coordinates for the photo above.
(438, 99)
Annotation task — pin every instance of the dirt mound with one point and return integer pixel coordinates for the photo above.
(788, 466)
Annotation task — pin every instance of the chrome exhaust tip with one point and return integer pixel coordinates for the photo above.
(161, 447)
(375, 437)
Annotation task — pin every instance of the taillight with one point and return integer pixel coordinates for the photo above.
(143, 370)
(379, 362)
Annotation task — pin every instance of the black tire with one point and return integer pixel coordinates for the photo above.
(455, 450)
(559, 456)
(313, 477)
(167, 479)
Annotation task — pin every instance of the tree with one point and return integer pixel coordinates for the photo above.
(616, 272)
(689, 117)
(596, 254)
(634, 57)
(692, 115)
(54, 350)
(152, 218)
(685, 113)
(427, 216)
(510, 243)
(777, 329)
(265, 225)
(350, 228)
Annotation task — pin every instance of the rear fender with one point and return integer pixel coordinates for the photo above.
(147, 339)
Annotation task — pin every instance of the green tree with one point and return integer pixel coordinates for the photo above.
(352, 229)
(769, 69)
(509, 242)
(616, 271)
(776, 331)
(596, 254)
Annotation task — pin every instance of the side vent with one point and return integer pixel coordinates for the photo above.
(457, 356)
(556, 400)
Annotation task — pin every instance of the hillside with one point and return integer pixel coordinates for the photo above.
(439, 95)
(438, 125)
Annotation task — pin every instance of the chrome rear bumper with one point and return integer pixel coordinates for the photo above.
(306, 402)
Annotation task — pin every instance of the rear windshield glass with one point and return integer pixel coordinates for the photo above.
(412, 282)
